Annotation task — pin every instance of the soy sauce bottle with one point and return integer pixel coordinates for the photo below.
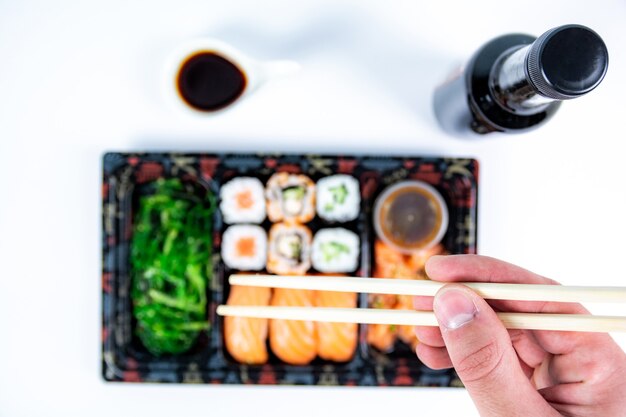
(517, 82)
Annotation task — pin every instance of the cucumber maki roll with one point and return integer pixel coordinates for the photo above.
(338, 198)
(335, 250)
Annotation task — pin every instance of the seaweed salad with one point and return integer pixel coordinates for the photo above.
(171, 266)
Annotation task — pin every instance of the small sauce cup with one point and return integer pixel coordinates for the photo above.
(410, 216)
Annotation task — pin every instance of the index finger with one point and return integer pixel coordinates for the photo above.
(455, 268)
(476, 268)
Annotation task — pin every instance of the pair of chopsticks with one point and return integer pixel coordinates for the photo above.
(520, 292)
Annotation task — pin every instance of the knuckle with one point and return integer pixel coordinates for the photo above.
(480, 364)
(435, 363)
(516, 336)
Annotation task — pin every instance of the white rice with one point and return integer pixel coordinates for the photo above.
(229, 204)
(230, 254)
(329, 208)
(335, 250)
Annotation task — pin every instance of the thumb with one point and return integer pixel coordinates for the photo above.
(483, 356)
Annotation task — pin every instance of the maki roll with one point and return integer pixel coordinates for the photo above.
(244, 247)
(289, 249)
(243, 201)
(290, 197)
(338, 198)
(335, 250)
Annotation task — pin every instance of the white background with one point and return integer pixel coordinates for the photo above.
(80, 78)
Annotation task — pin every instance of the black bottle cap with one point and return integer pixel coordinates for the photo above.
(567, 62)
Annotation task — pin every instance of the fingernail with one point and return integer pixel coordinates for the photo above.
(431, 263)
(454, 308)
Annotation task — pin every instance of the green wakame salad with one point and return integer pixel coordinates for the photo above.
(171, 266)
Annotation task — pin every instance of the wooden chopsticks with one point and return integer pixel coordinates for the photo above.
(564, 322)
(524, 292)
(491, 291)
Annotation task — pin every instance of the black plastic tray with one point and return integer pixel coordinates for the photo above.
(124, 175)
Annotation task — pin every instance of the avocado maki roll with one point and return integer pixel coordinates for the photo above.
(335, 250)
(338, 198)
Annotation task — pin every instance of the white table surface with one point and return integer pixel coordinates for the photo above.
(78, 78)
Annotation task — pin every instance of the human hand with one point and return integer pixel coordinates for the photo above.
(517, 372)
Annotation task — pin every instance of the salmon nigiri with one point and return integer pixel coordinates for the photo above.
(293, 341)
(245, 337)
(336, 341)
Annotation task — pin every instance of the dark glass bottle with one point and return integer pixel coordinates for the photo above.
(517, 82)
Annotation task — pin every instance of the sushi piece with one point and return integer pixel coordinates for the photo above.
(381, 336)
(243, 201)
(335, 250)
(336, 341)
(406, 333)
(417, 260)
(244, 247)
(290, 197)
(390, 263)
(293, 341)
(245, 337)
(289, 249)
(338, 198)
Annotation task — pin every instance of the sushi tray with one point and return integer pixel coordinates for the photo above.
(176, 226)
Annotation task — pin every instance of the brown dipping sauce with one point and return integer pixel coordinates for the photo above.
(410, 217)
(207, 81)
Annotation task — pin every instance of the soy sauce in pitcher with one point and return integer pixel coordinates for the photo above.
(516, 82)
